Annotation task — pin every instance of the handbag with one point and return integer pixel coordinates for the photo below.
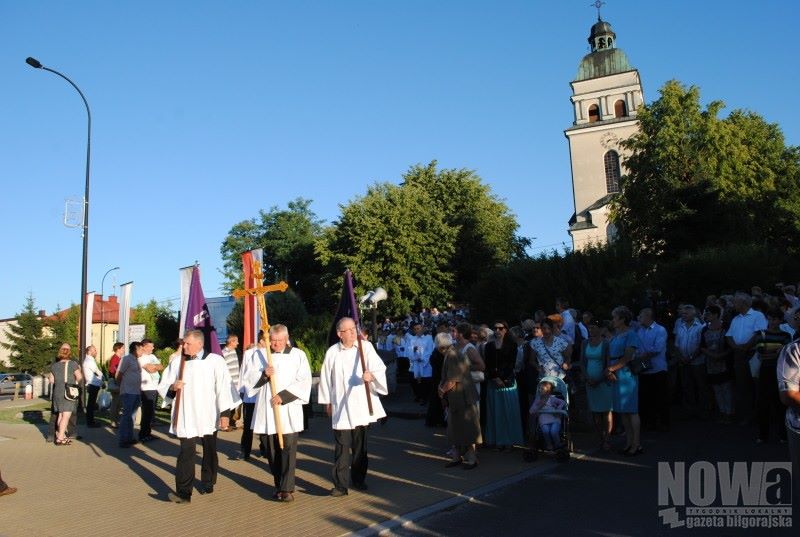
(71, 391)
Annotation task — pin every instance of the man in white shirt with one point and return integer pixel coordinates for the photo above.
(94, 381)
(292, 376)
(654, 397)
(419, 347)
(253, 359)
(567, 321)
(691, 362)
(201, 388)
(151, 366)
(232, 361)
(741, 337)
(341, 389)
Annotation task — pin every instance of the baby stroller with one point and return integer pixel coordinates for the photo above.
(536, 440)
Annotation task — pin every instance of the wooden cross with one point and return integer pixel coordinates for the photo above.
(260, 292)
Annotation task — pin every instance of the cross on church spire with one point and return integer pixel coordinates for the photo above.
(597, 4)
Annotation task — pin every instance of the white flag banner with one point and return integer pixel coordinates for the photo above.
(186, 282)
(123, 335)
(87, 328)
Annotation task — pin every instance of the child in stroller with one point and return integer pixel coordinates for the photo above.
(549, 415)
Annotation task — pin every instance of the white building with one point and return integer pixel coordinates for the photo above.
(605, 95)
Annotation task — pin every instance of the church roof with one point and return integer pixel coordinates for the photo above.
(605, 58)
(603, 63)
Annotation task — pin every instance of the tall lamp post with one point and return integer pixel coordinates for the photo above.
(102, 314)
(33, 62)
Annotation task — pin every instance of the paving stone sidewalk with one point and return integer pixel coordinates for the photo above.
(93, 486)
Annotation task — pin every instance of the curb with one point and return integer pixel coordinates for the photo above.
(465, 497)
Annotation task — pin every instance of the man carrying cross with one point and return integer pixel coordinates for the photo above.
(201, 387)
(292, 375)
(341, 389)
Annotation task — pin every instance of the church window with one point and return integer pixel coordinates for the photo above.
(611, 162)
(620, 110)
(594, 113)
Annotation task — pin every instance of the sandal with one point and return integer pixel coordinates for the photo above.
(62, 442)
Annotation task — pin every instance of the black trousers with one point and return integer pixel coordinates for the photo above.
(654, 400)
(91, 403)
(282, 462)
(184, 472)
(770, 411)
(148, 413)
(349, 456)
(248, 409)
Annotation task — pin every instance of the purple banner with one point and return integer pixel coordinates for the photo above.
(198, 316)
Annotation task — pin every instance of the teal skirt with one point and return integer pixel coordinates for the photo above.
(503, 423)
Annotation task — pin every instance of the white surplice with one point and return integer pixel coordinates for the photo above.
(342, 386)
(292, 374)
(207, 391)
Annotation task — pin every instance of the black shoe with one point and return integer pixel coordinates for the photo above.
(128, 444)
(147, 438)
(206, 489)
(360, 486)
(338, 493)
(177, 498)
(285, 497)
(472, 466)
(637, 451)
(453, 463)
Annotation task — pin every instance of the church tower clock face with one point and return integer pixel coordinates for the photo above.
(609, 140)
(606, 93)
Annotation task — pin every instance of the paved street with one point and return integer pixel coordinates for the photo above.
(603, 493)
(594, 494)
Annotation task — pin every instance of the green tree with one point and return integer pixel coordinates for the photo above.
(287, 238)
(486, 229)
(395, 237)
(695, 180)
(64, 329)
(28, 340)
(160, 323)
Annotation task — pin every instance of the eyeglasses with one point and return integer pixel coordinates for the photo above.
(499, 327)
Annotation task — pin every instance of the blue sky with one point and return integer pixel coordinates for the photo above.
(205, 112)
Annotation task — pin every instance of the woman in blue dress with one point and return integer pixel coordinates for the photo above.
(621, 350)
(599, 390)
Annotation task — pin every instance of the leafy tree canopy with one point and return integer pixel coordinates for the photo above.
(287, 237)
(29, 341)
(695, 180)
(394, 237)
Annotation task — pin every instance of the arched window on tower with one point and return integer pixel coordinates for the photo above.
(611, 163)
(594, 113)
(620, 109)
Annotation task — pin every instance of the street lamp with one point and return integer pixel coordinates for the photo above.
(33, 62)
(102, 313)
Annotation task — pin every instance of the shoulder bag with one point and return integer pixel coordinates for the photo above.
(71, 391)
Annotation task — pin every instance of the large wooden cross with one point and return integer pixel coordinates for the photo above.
(260, 292)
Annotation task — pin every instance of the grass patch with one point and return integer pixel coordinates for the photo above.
(10, 415)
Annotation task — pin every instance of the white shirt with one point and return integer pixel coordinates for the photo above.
(149, 380)
(251, 360)
(419, 350)
(687, 339)
(92, 373)
(744, 325)
(341, 385)
(567, 327)
(206, 392)
(292, 374)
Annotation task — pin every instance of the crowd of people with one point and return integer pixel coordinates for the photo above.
(497, 386)
(733, 360)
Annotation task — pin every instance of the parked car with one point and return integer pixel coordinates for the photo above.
(8, 382)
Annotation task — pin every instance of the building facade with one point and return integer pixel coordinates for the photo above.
(606, 93)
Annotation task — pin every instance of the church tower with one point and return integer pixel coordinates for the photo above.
(605, 95)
